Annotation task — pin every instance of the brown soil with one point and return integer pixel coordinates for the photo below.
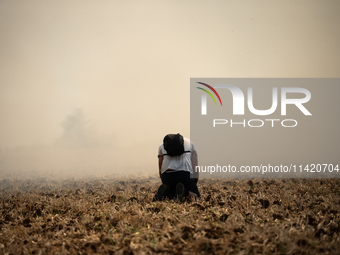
(107, 216)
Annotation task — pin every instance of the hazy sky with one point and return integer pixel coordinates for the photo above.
(97, 84)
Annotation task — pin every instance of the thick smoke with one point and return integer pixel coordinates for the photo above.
(81, 150)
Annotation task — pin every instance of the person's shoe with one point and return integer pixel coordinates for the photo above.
(179, 191)
(192, 196)
(163, 190)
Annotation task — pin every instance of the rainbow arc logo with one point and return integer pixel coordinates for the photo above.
(212, 89)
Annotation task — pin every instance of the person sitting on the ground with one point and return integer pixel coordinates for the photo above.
(176, 172)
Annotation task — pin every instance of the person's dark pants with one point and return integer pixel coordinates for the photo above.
(172, 178)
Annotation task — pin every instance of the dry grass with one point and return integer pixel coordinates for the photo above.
(117, 216)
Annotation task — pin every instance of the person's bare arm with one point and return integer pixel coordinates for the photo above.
(160, 162)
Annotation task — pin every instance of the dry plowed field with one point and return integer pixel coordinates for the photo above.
(117, 216)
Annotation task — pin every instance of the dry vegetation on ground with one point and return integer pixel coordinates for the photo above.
(117, 216)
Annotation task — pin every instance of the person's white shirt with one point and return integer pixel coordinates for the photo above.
(185, 162)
